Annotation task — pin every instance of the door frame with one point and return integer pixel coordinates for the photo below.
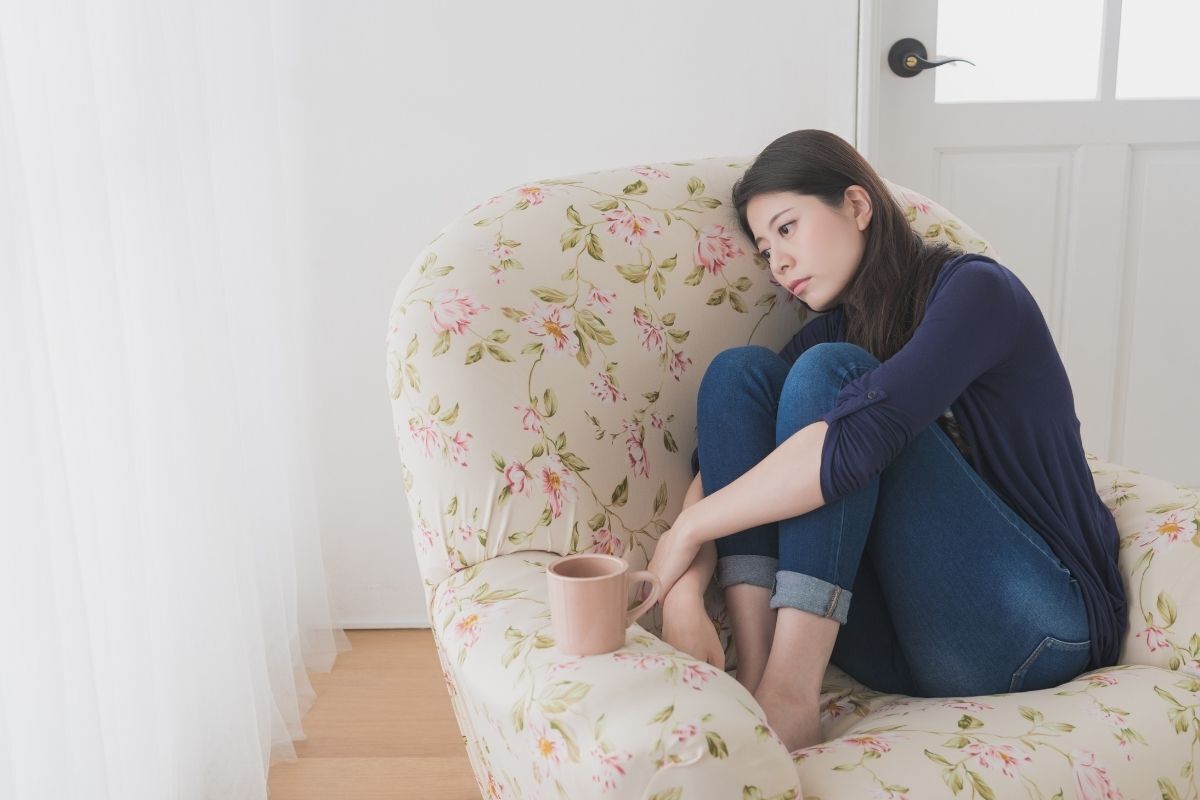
(866, 104)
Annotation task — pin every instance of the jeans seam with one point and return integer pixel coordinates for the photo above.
(833, 600)
(1019, 675)
(837, 551)
(852, 372)
(783, 587)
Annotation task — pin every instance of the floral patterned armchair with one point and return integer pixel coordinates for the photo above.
(544, 354)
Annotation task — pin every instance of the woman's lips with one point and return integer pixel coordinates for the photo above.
(799, 284)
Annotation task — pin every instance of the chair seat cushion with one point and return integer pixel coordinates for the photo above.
(1129, 726)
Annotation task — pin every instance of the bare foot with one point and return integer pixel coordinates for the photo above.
(794, 719)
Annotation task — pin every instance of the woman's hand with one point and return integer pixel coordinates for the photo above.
(686, 627)
(674, 553)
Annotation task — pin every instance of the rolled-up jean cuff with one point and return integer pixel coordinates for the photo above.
(757, 570)
(811, 594)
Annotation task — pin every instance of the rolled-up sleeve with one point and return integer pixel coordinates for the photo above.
(970, 326)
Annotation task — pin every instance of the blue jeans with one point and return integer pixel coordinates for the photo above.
(942, 590)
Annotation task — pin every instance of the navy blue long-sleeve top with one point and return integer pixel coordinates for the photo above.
(984, 352)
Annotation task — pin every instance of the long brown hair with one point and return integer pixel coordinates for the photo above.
(885, 299)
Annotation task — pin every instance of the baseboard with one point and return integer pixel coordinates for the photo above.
(383, 624)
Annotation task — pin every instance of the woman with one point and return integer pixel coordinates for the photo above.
(902, 489)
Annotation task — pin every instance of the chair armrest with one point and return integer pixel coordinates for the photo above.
(646, 721)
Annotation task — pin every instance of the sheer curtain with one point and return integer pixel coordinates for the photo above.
(162, 591)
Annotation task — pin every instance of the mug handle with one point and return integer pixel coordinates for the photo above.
(655, 587)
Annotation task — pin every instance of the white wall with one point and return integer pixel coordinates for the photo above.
(404, 115)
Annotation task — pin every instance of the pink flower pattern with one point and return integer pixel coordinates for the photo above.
(836, 706)
(563, 666)
(425, 537)
(548, 744)
(678, 364)
(605, 541)
(651, 332)
(458, 447)
(425, 434)
(630, 226)
(497, 250)
(685, 732)
(1156, 638)
(531, 420)
(453, 309)
(1092, 780)
(1003, 757)
(558, 486)
(517, 478)
(467, 629)
(968, 705)
(611, 767)
(605, 390)
(715, 247)
(1165, 530)
(635, 449)
(533, 194)
(642, 661)
(879, 743)
(602, 300)
(917, 201)
(696, 675)
(548, 324)
(651, 172)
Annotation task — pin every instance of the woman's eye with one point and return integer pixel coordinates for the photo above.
(767, 253)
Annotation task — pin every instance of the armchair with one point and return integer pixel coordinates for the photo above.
(543, 357)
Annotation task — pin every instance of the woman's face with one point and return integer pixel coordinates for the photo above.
(801, 237)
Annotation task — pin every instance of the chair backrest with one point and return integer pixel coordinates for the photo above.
(545, 350)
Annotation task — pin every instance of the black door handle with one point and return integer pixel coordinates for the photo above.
(907, 58)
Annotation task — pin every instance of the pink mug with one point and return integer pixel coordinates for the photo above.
(589, 594)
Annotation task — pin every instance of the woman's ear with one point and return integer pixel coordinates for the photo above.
(859, 202)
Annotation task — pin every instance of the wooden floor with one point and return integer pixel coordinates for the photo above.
(381, 727)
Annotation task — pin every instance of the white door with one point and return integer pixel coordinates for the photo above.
(1071, 143)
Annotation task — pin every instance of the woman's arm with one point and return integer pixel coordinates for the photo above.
(695, 580)
(785, 484)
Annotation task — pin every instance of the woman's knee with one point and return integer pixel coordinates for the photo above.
(737, 365)
(736, 359)
(830, 358)
(821, 371)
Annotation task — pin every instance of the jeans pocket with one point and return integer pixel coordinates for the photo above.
(1052, 663)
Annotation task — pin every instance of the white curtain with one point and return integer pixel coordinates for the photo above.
(162, 591)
